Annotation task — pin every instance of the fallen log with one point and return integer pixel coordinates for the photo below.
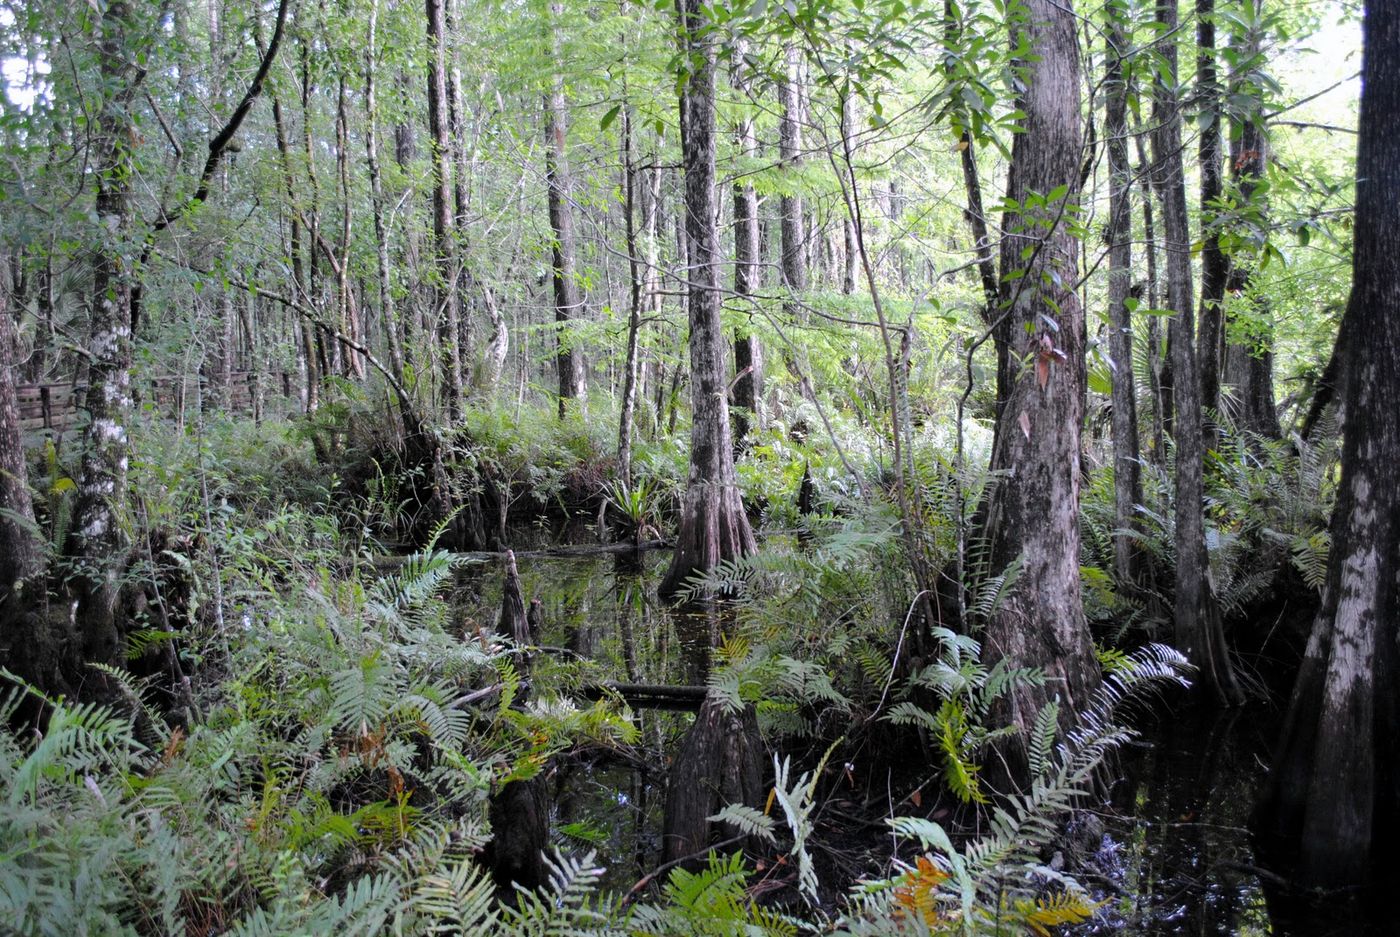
(650, 696)
(392, 561)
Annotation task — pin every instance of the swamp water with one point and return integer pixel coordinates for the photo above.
(1168, 853)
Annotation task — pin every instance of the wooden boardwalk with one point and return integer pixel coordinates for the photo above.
(59, 407)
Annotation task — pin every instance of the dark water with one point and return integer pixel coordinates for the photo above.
(1169, 853)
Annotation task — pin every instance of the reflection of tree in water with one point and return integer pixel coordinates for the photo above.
(1185, 807)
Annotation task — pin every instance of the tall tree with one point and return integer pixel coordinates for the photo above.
(713, 525)
(1127, 470)
(1333, 797)
(1033, 512)
(98, 537)
(1248, 355)
(748, 271)
(26, 643)
(790, 207)
(1199, 631)
(568, 300)
(446, 296)
(1214, 268)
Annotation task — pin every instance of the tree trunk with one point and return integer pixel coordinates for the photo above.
(1033, 512)
(748, 274)
(27, 644)
(568, 303)
(388, 313)
(98, 540)
(638, 272)
(1214, 267)
(794, 267)
(713, 525)
(306, 345)
(1199, 632)
(1249, 360)
(446, 306)
(1331, 802)
(1159, 396)
(1127, 470)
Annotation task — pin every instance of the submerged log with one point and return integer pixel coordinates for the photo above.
(720, 762)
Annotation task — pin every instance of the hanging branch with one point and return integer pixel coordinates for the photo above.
(218, 146)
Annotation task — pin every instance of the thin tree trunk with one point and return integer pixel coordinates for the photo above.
(446, 307)
(1199, 632)
(1159, 399)
(568, 302)
(1033, 512)
(790, 208)
(461, 178)
(1214, 266)
(1331, 806)
(388, 312)
(713, 525)
(1249, 364)
(1127, 470)
(306, 356)
(748, 273)
(637, 279)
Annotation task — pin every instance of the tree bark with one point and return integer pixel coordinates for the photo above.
(1127, 469)
(26, 645)
(98, 542)
(639, 274)
(446, 305)
(1332, 801)
(1033, 512)
(388, 311)
(1214, 267)
(568, 301)
(1199, 632)
(713, 525)
(790, 208)
(1159, 396)
(748, 273)
(1249, 360)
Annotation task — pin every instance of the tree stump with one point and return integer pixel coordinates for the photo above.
(720, 762)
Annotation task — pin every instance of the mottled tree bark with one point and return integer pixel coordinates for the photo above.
(446, 304)
(27, 646)
(1333, 797)
(713, 525)
(1199, 632)
(98, 542)
(1127, 469)
(1033, 512)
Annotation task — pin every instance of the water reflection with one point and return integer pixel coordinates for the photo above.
(1171, 854)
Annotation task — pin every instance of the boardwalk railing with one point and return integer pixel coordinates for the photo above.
(58, 407)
